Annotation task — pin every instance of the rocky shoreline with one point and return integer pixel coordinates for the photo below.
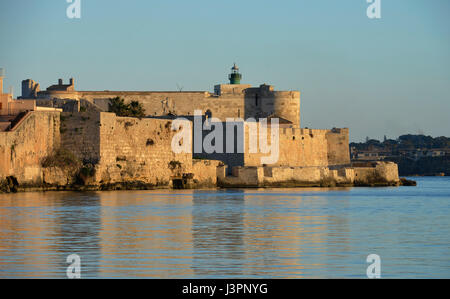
(10, 185)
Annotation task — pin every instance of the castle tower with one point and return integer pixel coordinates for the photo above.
(235, 77)
(29, 89)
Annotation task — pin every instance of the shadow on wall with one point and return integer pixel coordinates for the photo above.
(258, 103)
(236, 158)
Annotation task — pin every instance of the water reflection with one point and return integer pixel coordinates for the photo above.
(220, 234)
(146, 234)
(38, 232)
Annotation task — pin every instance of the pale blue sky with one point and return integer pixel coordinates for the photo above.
(377, 77)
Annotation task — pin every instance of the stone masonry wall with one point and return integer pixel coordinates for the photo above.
(298, 147)
(338, 147)
(80, 134)
(23, 149)
(304, 148)
(387, 171)
(251, 102)
(381, 174)
(205, 172)
(126, 149)
(138, 150)
(163, 103)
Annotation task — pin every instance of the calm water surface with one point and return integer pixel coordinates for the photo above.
(276, 233)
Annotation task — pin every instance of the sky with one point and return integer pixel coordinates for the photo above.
(388, 76)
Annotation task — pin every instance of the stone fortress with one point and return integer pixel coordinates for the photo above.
(125, 152)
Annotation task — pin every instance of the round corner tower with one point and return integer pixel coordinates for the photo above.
(283, 104)
(286, 104)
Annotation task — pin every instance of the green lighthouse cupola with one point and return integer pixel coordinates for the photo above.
(235, 77)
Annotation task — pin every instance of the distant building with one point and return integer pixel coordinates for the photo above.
(436, 153)
(11, 110)
(369, 155)
(29, 89)
(9, 106)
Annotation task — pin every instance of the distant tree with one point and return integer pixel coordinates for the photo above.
(416, 141)
(404, 142)
(134, 109)
(118, 106)
(373, 144)
(441, 142)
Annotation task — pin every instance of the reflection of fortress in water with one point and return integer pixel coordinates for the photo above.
(193, 234)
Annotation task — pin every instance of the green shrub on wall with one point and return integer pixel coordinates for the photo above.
(133, 109)
(61, 158)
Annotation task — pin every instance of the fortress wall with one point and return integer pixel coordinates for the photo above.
(154, 103)
(307, 175)
(224, 108)
(231, 89)
(297, 148)
(230, 159)
(55, 94)
(388, 170)
(23, 149)
(382, 174)
(286, 174)
(242, 176)
(260, 103)
(138, 150)
(64, 104)
(160, 103)
(283, 176)
(364, 174)
(257, 102)
(381, 171)
(205, 172)
(338, 147)
(178, 103)
(128, 149)
(285, 104)
(44, 103)
(80, 134)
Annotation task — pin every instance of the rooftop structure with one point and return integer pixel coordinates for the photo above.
(233, 100)
(235, 77)
(63, 87)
